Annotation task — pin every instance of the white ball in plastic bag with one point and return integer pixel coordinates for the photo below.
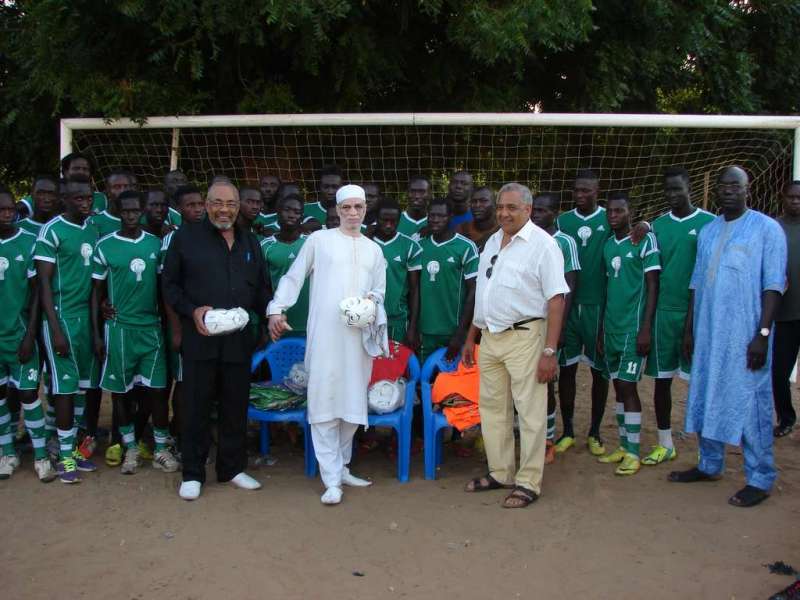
(386, 396)
(297, 378)
(357, 312)
(220, 321)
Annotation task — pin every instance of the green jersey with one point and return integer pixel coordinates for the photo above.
(268, 220)
(30, 226)
(411, 227)
(314, 210)
(402, 254)
(590, 234)
(677, 241)
(446, 267)
(625, 267)
(129, 267)
(278, 257)
(174, 217)
(99, 202)
(569, 250)
(16, 268)
(105, 223)
(68, 246)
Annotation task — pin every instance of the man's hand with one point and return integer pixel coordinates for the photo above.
(468, 354)
(757, 352)
(198, 315)
(688, 345)
(643, 341)
(638, 232)
(107, 310)
(412, 339)
(277, 325)
(176, 339)
(99, 349)
(454, 347)
(25, 350)
(60, 343)
(547, 368)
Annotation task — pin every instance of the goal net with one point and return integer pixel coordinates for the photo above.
(544, 157)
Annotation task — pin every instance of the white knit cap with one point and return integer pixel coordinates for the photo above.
(348, 192)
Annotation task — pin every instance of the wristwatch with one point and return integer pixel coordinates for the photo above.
(764, 332)
(548, 351)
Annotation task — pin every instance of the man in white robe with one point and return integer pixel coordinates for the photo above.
(341, 263)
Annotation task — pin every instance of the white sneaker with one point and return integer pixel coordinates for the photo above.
(15, 460)
(164, 460)
(349, 479)
(131, 462)
(7, 466)
(44, 470)
(245, 482)
(333, 495)
(190, 490)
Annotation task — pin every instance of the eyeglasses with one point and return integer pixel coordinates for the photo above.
(489, 270)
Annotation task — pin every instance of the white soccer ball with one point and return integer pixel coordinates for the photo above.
(220, 321)
(358, 312)
(386, 396)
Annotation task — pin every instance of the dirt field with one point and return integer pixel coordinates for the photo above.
(591, 535)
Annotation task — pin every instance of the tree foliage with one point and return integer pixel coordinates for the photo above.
(175, 57)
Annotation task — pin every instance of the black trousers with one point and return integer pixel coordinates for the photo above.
(784, 355)
(203, 380)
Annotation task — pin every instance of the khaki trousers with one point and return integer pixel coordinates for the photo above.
(507, 363)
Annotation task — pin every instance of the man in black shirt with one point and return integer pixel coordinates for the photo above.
(215, 265)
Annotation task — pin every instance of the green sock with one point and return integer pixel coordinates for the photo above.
(551, 425)
(619, 409)
(633, 427)
(66, 443)
(160, 437)
(6, 439)
(34, 423)
(128, 436)
(79, 420)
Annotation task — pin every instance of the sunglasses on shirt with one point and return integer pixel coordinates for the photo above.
(491, 263)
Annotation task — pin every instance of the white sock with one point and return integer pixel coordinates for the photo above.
(665, 438)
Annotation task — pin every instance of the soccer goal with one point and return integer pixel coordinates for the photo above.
(628, 152)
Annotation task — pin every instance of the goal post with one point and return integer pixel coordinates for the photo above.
(542, 150)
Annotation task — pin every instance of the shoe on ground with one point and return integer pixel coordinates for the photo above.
(349, 479)
(595, 445)
(616, 456)
(549, 452)
(87, 447)
(333, 495)
(245, 482)
(131, 462)
(190, 490)
(144, 451)
(565, 443)
(659, 454)
(68, 471)
(114, 455)
(83, 464)
(630, 465)
(164, 460)
(7, 466)
(44, 470)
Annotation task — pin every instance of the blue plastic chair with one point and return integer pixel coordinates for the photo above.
(281, 356)
(401, 420)
(433, 422)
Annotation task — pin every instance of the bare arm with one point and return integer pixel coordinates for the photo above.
(26, 346)
(757, 349)
(45, 271)
(548, 365)
(572, 282)
(412, 339)
(688, 329)
(460, 334)
(99, 290)
(643, 339)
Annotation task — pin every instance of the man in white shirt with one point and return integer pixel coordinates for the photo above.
(519, 306)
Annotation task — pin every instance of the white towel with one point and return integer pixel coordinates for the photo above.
(375, 336)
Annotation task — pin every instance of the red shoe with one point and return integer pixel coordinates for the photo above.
(87, 447)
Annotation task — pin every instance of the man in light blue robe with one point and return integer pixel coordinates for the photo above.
(739, 276)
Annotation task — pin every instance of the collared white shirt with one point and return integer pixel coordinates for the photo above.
(527, 273)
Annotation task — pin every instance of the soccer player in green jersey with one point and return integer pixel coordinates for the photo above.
(107, 221)
(63, 262)
(314, 213)
(447, 284)
(77, 165)
(415, 217)
(154, 220)
(676, 232)
(250, 206)
(545, 211)
(19, 355)
(403, 267)
(44, 197)
(131, 344)
(279, 253)
(632, 292)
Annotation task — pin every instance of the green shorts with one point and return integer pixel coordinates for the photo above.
(580, 337)
(666, 352)
(80, 368)
(620, 356)
(133, 356)
(430, 343)
(23, 376)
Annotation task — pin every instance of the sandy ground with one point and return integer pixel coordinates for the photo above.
(591, 535)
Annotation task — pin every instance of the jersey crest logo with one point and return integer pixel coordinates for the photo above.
(112, 376)
(450, 259)
(86, 253)
(433, 268)
(138, 266)
(601, 228)
(629, 255)
(397, 259)
(18, 258)
(65, 377)
(4, 264)
(616, 264)
(291, 255)
(692, 232)
(584, 233)
(152, 256)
